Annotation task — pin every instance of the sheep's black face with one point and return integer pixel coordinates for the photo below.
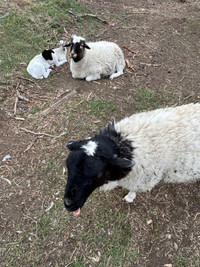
(92, 163)
(85, 174)
(77, 49)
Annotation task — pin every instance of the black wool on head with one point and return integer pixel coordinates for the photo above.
(47, 54)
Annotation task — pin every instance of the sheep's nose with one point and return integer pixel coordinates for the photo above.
(73, 55)
(67, 201)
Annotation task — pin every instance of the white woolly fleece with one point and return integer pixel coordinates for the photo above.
(102, 59)
(77, 39)
(167, 147)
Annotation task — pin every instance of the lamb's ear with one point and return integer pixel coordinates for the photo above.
(86, 46)
(123, 163)
(47, 54)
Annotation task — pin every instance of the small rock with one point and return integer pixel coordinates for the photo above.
(6, 157)
(149, 222)
(168, 236)
(175, 246)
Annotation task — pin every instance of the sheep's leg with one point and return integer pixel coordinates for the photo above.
(130, 197)
(93, 77)
(109, 186)
(116, 74)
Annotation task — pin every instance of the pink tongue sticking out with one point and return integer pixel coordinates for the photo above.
(77, 212)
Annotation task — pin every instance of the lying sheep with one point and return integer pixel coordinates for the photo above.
(136, 153)
(95, 59)
(39, 66)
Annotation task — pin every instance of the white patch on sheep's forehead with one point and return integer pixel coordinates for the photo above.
(77, 39)
(90, 148)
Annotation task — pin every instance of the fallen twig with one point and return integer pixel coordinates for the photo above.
(58, 103)
(6, 180)
(50, 206)
(29, 80)
(129, 64)
(129, 49)
(150, 65)
(29, 146)
(187, 97)
(24, 98)
(15, 105)
(87, 15)
(42, 134)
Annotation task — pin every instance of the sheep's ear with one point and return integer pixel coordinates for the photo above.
(86, 46)
(111, 126)
(123, 163)
(70, 145)
(75, 145)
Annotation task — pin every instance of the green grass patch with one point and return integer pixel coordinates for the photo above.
(101, 107)
(194, 24)
(151, 99)
(23, 35)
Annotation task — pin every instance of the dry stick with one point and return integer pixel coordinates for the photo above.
(22, 97)
(45, 134)
(58, 103)
(15, 105)
(185, 98)
(29, 80)
(127, 48)
(16, 100)
(150, 65)
(29, 146)
(87, 15)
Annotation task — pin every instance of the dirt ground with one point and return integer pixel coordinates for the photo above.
(163, 69)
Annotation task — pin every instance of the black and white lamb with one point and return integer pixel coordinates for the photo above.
(136, 153)
(40, 66)
(95, 59)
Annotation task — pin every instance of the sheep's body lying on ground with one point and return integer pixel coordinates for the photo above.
(95, 59)
(39, 66)
(136, 153)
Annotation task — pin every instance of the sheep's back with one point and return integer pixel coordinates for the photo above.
(167, 144)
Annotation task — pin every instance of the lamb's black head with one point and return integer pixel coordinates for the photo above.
(77, 48)
(47, 54)
(92, 163)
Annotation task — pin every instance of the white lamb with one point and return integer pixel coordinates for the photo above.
(136, 153)
(39, 66)
(95, 59)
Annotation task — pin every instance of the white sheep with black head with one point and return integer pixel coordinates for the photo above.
(92, 60)
(136, 154)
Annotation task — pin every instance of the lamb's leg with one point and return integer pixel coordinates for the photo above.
(93, 77)
(116, 74)
(130, 197)
(46, 73)
(61, 62)
(109, 186)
